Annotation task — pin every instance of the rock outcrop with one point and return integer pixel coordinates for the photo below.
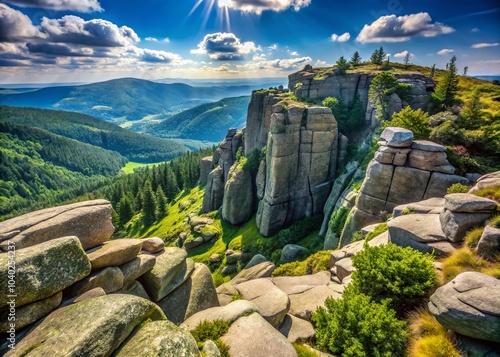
(237, 204)
(301, 164)
(469, 305)
(402, 171)
(318, 84)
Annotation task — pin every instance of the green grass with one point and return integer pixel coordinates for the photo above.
(466, 259)
(131, 166)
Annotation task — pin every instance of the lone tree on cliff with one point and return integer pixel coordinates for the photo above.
(342, 65)
(378, 56)
(447, 88)
(407, 59)
(382, 86)
(355, 59)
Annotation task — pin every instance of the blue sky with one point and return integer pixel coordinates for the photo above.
(92, 40)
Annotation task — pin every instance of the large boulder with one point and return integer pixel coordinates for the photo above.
(90, 221)
(160, 339)
(237, 206)
(206, 165)
(489, 244)
(273, 303)
(303, 304)
(397, 137)
(194, 295)
(134, 288)
(153, 244)
(292, 252)
(487, 181)
(114, 253)
(137, 267)
(469, 305)
(42, 270)
(262, 270)
(429, 206)
(295, 329)
(456, 225)
(29, 313)
(252, 336)
(94, 327)
(229, 313)
(214, 192)
(171, 270)
(422, 232)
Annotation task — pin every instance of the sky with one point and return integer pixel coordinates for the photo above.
(53, 41)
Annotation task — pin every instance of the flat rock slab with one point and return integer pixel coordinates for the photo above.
(109, 279)
(273, 303)
(252, 336)
(295, 329)
(469, 305)
(27, 314)
(421, 232)
(429, 206)
(170, 270)
(466, 202)
(114, 253)
(44, 270)
(486, 181)
(153, 244)
(194, 295)
(160, 338)
(91, 328)
(397, 137)
(299, 284)
(90, 221)
(229, 313)
(303, 304)
(344, 268)
(137, 267)
(258, 271)
(426, 145)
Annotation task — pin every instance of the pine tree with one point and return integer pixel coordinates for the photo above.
(342, 65)
(378, 56)
(407, 59)
(466, 69)
(161, 204)
(171, 185)
(433, 70)
(447, 88)
(382, 86)
(356, 119)
(148, 204)
(355, 59)
(471, 112)
(125, 210)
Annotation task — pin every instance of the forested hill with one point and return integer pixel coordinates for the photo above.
(135, 147)
(208, 122)
(38, 168)
(121, 100)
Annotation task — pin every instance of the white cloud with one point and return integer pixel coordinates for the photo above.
(95, 32)
(59, 5)
(260, 57)
(258, 6)
(273, 47)
(475, 29)
(224, 46)
(154, 39)
(15, 26)
(403, 54)
(293, 53)
(277, 65)
(342, 38)
(223, 68)
(394, 28)
(484, 45)
(154, 56)
(445, 51)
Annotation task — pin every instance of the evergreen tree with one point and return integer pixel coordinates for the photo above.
(161, 204)
(342, 65)
(356, 115)
(471, 113)
(378, 56)
(447, 88)
(171, 185)
(355, 59)
(433, 70)
(382, 86)
(339, 110)
(148, 204)
(466, 69)
(125, 210)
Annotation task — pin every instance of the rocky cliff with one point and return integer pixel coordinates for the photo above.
(314, 83)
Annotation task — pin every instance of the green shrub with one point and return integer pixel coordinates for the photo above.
(408, 211)
(212, 330)
(379, 229)
(357, 326)
(357, 236)
(457, 188)
(319, 261)
(337, 221)
(415, 120)
(401, 275)
(252, 162)
(472, 237)
(303, 351)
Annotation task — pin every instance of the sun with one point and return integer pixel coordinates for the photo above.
(222, 12)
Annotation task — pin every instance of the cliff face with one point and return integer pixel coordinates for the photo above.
(313, 84)
(300, 166)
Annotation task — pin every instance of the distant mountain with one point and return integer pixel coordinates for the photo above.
(135, 147)
(122, 100)
(206, 122)
(489, 78)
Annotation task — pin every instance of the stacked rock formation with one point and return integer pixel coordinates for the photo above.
(214, 171)
(402, 171)
(300, 166)
(96, 290)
